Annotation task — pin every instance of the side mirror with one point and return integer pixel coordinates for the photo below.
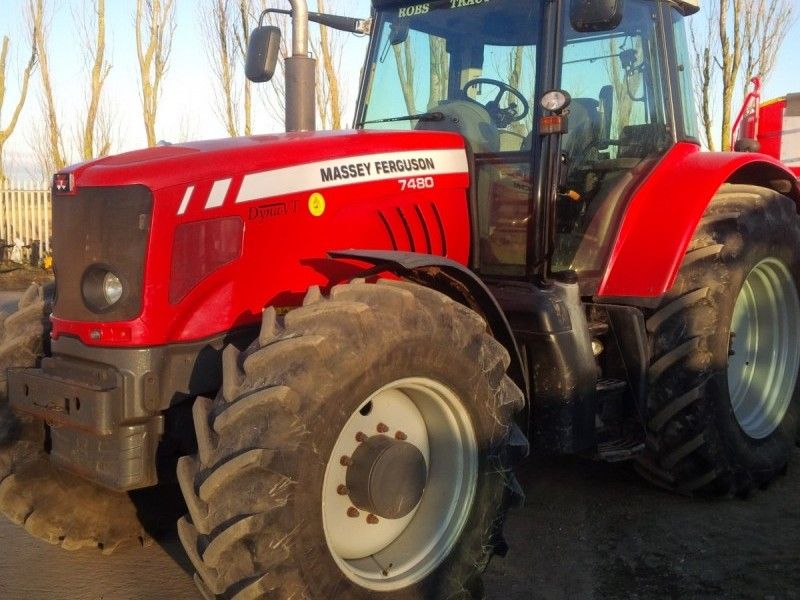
(262, 53)
(595, 15)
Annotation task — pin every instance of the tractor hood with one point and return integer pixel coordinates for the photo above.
(186, 228)
(167, 166)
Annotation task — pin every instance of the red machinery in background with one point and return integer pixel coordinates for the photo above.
(773, 125)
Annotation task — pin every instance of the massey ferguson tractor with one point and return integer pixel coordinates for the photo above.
(351, 337)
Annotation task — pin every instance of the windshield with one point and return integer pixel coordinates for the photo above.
(470, 61)
(467, 66)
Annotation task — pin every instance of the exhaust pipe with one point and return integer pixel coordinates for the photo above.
(301, 70)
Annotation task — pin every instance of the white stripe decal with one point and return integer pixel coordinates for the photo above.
(218, 191)
(185, 202)
(351, 170)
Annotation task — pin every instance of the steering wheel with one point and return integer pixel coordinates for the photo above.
(502, 117)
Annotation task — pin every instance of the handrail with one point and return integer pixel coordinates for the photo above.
(754, 97)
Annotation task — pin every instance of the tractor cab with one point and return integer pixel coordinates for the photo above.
(481, 68)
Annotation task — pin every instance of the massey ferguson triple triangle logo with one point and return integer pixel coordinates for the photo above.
(62, 183)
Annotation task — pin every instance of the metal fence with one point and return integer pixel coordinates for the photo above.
(25, 218)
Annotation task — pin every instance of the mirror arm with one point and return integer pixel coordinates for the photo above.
(299, 15)
(348, 24)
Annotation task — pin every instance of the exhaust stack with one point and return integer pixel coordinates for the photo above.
(301, 69)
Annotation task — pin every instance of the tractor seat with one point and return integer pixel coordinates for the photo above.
(584, 129)
(469, 119)
(641, 141)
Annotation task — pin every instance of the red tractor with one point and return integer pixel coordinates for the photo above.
(520, 239)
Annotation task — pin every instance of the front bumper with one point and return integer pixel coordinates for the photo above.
(104, 406)
(92, 432)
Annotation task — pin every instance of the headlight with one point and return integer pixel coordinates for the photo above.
(112, 288)
(102, 288)
(555, 101)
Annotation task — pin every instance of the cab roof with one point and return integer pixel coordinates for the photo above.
(689, 7)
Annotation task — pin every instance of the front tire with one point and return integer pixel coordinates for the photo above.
(278, 504)
(723, 406)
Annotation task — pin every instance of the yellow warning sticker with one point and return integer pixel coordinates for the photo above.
(316, 204)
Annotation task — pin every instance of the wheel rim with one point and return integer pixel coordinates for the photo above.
(765, 356)
(385, 554)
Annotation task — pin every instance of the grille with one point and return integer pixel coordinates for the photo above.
(106, 227)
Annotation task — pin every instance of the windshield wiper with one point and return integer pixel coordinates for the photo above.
(428, 116)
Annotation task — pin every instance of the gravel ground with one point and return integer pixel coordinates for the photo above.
(14, 277)
(594, 530)
(588, 530)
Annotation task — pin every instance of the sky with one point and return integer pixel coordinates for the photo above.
(187, 107)
(187, 103)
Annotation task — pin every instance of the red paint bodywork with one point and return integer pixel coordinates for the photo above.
(283, 254)
(664, 210)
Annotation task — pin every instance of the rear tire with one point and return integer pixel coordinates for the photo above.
(52, 505)
(723, 407)
(265, 489)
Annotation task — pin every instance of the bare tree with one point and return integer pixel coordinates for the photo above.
(514, 70)
(765, 27)
(730, 59)
(743, 39)
(328, 48)
(439, 70)
(226, 24)
(274, 93)
(50, 141)
(155, 26)
(221, 49)
(242, 37)
(95, 137)
(625, 82)
(705, 75)
(5, 132)
(404, 58)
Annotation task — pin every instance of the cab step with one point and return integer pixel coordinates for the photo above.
(620, 450)
(607, 387)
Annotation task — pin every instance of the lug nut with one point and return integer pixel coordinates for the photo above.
(345, 461)
(382, 428)
(400, 436)
(361, 437)
(352, 512)
(342, 490)
(372, 519)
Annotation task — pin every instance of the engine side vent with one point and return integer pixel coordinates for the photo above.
(415, 228)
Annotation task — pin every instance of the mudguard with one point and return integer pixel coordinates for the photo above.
(454, 280)
(664, 211)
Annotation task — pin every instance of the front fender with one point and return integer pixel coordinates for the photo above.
(664, 211)
(454, 280)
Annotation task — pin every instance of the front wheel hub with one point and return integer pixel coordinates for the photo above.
(386, 477)
(399, 484)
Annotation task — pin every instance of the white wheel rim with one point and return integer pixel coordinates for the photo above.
(765, 355)
(396, 553)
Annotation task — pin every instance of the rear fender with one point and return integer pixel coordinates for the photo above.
(454, 280)
(664, 211)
